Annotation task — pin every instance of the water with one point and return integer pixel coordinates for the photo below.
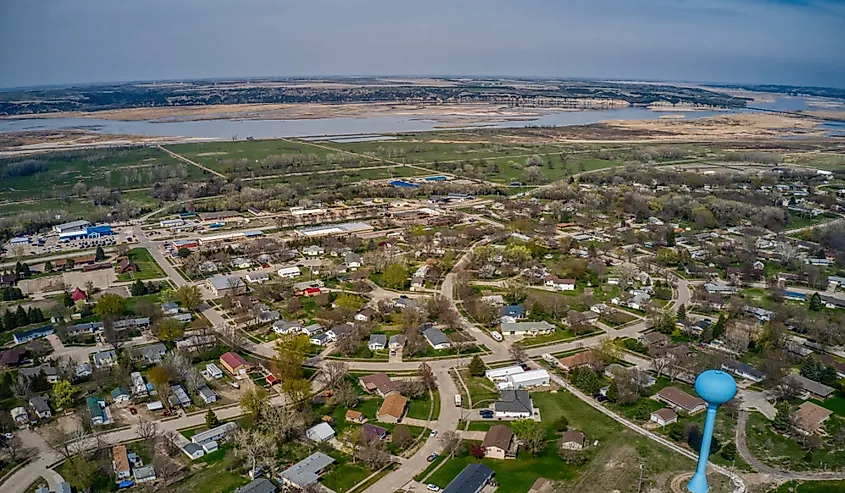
(350, 127)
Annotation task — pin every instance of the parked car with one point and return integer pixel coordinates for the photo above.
(133, 411)
(432, 457)
(432, 487)
(433, 433)
(486, 414)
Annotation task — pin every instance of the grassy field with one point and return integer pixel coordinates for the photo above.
(344, 474)
(215, 476)
(419, 408)
(481, 390)
(810, 487)
(148, 268)
(818, 160)
(779, 451)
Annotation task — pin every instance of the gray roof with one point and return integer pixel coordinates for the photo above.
(260, 485)
(39, 403)
(470, 480)
(812, 386)
(306, 472)
(192, 448)
(34, 372)
(206, 392)
(352, 257)
(398, 339)
(378, 339)
(222, 282)
(169, 305)
(436, 336)
(64, 487)
(153, 352)
(514, 401)
(144, 472)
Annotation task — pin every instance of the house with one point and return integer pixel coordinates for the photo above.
(499, 443)
(193, 451)
(20, 416)
(339, 331)
(654, 339)
(31, 334)
(234, 363)
(139, 387)
(527, 379)
(213, 371)
(307, 471)
(144, 474)
(320, 339)
(493, 299)
(559, 284)
(811, 388)
(377, 342)
(514, 404)
(182, 317)
(209, 446)
(215, 434)
(257, 277)
(745, 371)
(713, 288)
(472, 479)
(527, 328)
(810, 417)
(352, 260)
(497, 375)
(392, 409)
(132, 323)
(379, 383)
(365, 315)
(664, 416)
(313, 251)
(576, 360)
(284, 327)
(206, 394)
(397, 342)
(78, 295)
(572, 440)
(834, 363)
(40, 407)
(222, 285)
(49, 372)
(13, 357)
(84, 370)
(179, 397)
(124, 266)
(97, 410)
(104, 359)
(63, 487)
(373, 432)
(417, 283)
(680, 400)
(170, 308)
(120, 395)
(151, 354)
(831, 302)
(289, 272)
(436, 338)
(516, 312)
(120, 463)
(260, 485)
(355, 417)
(312, 329)
(241, 263)
(266, 316)
(320, 432)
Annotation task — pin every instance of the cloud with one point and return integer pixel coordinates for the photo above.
(763, 41)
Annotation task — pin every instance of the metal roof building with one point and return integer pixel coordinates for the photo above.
(307, 471)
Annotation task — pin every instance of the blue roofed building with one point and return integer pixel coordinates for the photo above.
(31, 334)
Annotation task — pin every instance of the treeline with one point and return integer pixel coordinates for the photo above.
(20, 318)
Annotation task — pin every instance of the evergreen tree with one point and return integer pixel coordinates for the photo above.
(211, 420)
(21, 317)
(728, 452)
(48, 266)
(138, 288)
(476, 367)
(9, 320)
(682, 313)
(99, 254)
(670, 237)
(67, 300)
(781, 421)
(815, 302)
(613, 391)
(2, 327)
(719, 326)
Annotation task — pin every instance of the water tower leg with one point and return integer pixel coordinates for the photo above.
(698, 483)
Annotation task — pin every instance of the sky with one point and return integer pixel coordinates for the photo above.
(795, 42)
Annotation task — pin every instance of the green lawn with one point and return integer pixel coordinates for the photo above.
(783, 452)
(556, 336)
(481, 390)
(218, 475)
(148, 268)
(810, 487)
(343, 475)
(836, 403)
(419, 408)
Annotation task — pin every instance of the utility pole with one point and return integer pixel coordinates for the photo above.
(640, 485)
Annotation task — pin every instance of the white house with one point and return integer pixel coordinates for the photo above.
(436, 338)
(284, 327)
(257, 277)
(207, 395)
(353, 260)
(558, 284)
(103, 359)
(514, 404)
(320, 339)
(289, 272)
(377, 342)
(320, 432)
(241, 263)
(664, 416)
(213, 371)
(313, 251)
(193, 451)
(170, 308)
(527, 328)
(139, 387)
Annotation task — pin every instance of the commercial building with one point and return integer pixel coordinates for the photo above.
(497, 375)
(222, 285)
(524, 380)
(71, 226)
(335, 229)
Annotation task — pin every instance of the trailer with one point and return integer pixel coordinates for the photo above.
(457, 400)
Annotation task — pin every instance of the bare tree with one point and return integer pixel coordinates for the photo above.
(147, 431)
(14, 448)
(165, 467)
(333, 373)
(451, 442)
(21, 386)
(346, 394)
(518, 352)
(255, 447)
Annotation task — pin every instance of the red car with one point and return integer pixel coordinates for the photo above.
(133, 411)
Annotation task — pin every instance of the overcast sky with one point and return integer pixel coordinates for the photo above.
(799, 42)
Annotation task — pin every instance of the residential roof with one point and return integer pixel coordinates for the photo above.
(144, 472)
(13, 356)
(35, 371)
(680, 398)
(578, 359)
(222, 282)
(378, 339)
(192, 448)
(436, 337)
(320, 431)
(573, 436)
(503, 372)
(234, 360)
(354, 415)
(39, 403)
(121, 458)
(306, 472)
(398, 339)
(514, 401)
(373, 431)
(526, 326)
(260, 485)
(832, 362)
(655, 338)
(665, 414)
(214, 433)
(811, 415)
(812, 386)
(498, 436)
(471, 479)
(740, 367)
(118, 391)
(393, 405)
(513, 310)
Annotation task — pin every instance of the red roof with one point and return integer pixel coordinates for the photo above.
(312, 290)
(233, 360)
(271, 379)
(78, 295)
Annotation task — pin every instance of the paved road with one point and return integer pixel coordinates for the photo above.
(742, 448)
(25, 476)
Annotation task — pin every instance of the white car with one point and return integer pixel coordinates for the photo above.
(433, 433)
(432, 487)
(497, 336)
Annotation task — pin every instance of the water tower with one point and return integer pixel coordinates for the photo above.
(716, 388)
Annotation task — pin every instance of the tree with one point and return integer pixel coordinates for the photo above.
(297, 391)
(781, 421)
(561, 424)
(190, 297)
(681, 314)
(110, 305)
(99, 254)
(719, 326)
(675, 431)
(395, 276)
(477, 367)
(426, 376)
(451, 442)
(148, 432)
(728, 452)
(401, 436)
(254, 402)
(21, 317)
(518, 352)
(83, 472)
(63, 394)
(477, 451)
(346, 394)
(211, 420)
(255, 447)
(815, 302)
(168, 329)
(334, 373)
(159, 376)
(531, 433)
(21, 386)
(48, 266)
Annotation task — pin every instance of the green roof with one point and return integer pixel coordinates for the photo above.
(119, 391)
(94, 408)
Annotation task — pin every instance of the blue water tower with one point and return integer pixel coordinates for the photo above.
(716, 388)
